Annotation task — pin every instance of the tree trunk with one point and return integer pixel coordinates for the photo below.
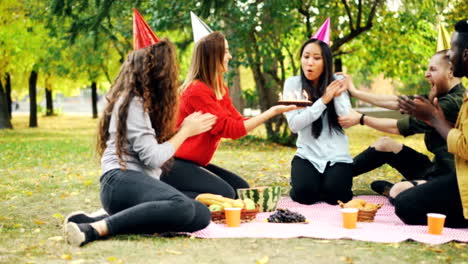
(267, 97)
(8, 93)
(235, 90)
(94, 99)
(4, 117)
(32, 99)
(338, 65)
(49, 102)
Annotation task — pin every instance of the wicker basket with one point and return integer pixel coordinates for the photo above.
(364, 215)
(246, 216)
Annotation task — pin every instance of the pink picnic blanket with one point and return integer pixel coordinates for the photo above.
(325, 223)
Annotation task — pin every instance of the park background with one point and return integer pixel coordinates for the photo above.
(67, 52)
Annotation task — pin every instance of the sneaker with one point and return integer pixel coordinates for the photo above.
(80, 234)
(381, 187)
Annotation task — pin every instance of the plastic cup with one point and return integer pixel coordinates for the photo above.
(232, 216)
(349, 217)
(435, 223)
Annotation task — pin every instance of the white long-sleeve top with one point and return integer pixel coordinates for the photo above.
(328, 147)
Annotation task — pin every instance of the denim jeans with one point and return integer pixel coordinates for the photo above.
(140, 204)
(193, 179)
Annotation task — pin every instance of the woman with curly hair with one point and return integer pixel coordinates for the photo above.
(136, 138)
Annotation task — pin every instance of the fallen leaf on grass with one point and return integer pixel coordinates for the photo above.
(87, 182)
(263, 260)
(39, 222)
(55, 238)
(323, 241)
(66, 256)
(458, 245)
(58, 216)
(395, 245)
(347, 259)
(437, 250)
(173, 252)
(114, 260)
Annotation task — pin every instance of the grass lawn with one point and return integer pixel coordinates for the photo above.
(49, 171)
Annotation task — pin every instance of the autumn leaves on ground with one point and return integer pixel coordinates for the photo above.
(52, 170)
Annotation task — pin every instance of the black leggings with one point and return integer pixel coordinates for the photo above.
(411, 164)
(310, 186)
(193, 179)
(440, 195)
(140, 204)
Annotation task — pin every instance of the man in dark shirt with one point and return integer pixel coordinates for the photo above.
(410, 163)
(446, 195)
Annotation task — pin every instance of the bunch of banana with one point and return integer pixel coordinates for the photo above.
(360, 204)
(218, 203)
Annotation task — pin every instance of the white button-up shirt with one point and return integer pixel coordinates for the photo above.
(328, 147)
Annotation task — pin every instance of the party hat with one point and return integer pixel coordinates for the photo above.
(199, 28)
(142, 34)
(324, 32)
(443, 38)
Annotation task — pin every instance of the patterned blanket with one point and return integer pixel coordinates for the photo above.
(325, 223)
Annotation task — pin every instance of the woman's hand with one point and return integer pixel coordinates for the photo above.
(350, 119)
(279, 109)
(197, 123)
(335, 88)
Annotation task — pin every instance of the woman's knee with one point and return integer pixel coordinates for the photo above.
(304, 196)
(334, 190)
(226, 191)
(386, 144)
(408, 212)
(201, 218)
(184, 208)
(338, 193)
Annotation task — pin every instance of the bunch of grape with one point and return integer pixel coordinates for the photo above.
(286, 216)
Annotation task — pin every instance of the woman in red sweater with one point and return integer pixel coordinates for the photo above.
(204, 91)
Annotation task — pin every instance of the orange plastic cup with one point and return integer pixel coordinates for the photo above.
(435, 223)
(232, 216)
(349, 217)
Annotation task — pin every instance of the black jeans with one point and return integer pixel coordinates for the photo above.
(410, 163)
(440, 195)
(140, 204)
(310, 186)
(193, 179)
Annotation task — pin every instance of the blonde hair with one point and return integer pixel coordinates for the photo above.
(207, 62)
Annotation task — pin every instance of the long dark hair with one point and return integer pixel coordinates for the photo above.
(316, 92)
(151, 74)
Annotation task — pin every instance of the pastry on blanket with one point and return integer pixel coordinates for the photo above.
(359, 204)
(355, 203)
(370, 207)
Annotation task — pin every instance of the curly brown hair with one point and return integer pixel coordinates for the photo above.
(151, 74)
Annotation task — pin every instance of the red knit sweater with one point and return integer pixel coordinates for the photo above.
(230, 124)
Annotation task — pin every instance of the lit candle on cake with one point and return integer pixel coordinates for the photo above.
(306, 96)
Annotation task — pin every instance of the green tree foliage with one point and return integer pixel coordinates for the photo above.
(401, 44)
(96, 34)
